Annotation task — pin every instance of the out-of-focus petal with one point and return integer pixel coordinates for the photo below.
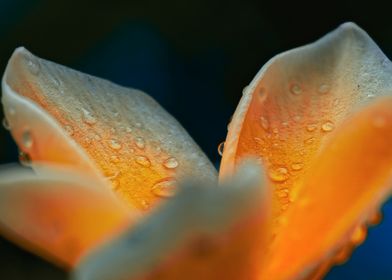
(350, 179)
(204, 233)
(123, 132)
(59, 215)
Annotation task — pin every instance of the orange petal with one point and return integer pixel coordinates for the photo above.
(60, 115)
(297, 100)
(349, 181)
(204, 233)
(58, 215)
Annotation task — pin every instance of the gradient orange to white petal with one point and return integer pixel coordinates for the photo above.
(130, 139)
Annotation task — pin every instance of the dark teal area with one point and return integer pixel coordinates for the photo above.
(194, 57)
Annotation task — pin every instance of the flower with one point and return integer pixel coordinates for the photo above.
(104, 199)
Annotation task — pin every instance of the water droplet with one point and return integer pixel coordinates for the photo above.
(283, 193)
(6, 124)
(33, 65)
(88, 118)
(297, 166)
(379, 121)
(279, 174)
(69, 130)
(264, 123)
(309, 141)
(327, 126)
(114, 144)
(324, 88)
(143, 161)
(145, 204)
(24, 159)
(139, 141)
(164, 188)
(359, 235)
(170, 163)
(221, 146)
(370, 95)
(261, 93)
(296, 89)
(297, 118)
(114, 159)
(311, 127)
(27, 139)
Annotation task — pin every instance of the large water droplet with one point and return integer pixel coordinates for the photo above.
(24, 159)
(264, 123)
(296, 89)
(279, 174)
(170, 163)
(27, 140)
(283, 193)
(88, 118)
(324, 88)
(139, 141)
(6, 124)
(114, 144)
(164, 188)
(143, 161)
(327, 126)
(221, 147)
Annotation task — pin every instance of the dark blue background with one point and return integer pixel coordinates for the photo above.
(194, 57)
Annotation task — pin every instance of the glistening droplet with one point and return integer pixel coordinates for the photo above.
(143, 161)
(164, 188)
(88, 118)
(27, 140)
(114, 144)
(327, 126)
(279, 174)
(221, 146)
(139, 141)
(296, 89)
(170, 163)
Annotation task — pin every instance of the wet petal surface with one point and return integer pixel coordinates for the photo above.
(123, 132)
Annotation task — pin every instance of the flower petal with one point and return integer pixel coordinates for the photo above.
(58, 214)
(129, 137)
(218, 235)
(297, 100)
(348, 183)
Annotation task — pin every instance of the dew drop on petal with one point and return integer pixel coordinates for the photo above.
(139, 141)
(296, 89)
(114, 144)
(88, 118)
(309, 141)
(221, 147)
(27, 140)
(324, 88)
(264, 123)
(311, 127)
(6, 124)
(170, 163)
(33, 66)
(164, 188)
(114, 159)
(143, 161)
(297, 166)
(279, 174)
(327, 126)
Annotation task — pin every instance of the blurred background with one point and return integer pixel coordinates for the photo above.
(194, 57)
